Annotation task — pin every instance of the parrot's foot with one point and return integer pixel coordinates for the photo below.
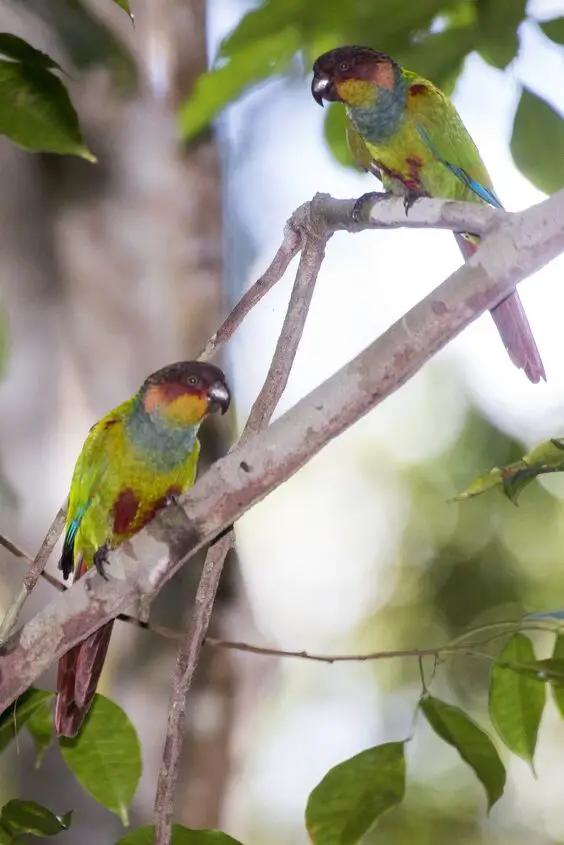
(100, 560)
(365, 203)
(410, 198)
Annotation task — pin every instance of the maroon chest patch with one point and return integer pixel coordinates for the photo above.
(125, 511)
(411, 177)
(417, 90)
(130, 516)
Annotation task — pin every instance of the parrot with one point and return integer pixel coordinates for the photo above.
(407, 132)
(134, 461)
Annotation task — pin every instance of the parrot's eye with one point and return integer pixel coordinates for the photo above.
(344, 67)
(193, 381)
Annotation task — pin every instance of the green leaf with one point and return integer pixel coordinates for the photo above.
(472, 743)
(550, 670)
(352, 796)
(537, 143)
(498, 21)
(222, 85)
(516, 702)
(105, 757)
(124, 4)
(558, 689)
(36, 112)
(180, 836)
(554, 30)
(40, 726)
(512, 479)
(20, 817)
(12, 47)
(16, 716)
(263, 24)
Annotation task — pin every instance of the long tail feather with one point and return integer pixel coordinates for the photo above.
(77, 678)
(513, 326)
(78, 675)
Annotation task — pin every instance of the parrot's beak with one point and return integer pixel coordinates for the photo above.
(323, 89)
(219, 397)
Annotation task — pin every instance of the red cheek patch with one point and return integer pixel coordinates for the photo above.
(384, 75)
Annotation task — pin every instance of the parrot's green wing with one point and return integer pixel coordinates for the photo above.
(443, 132)
(91, 466)
(360, 152)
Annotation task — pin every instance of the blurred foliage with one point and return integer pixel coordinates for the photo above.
(468, 573)
(354, 794)
(554, 30)
(18, 818)
(497, 23)
(35, 109)
(85, 39)
(512, 479)
(431, 37)
(538, 131)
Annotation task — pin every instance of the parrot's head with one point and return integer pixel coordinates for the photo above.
(354, 76)
(184, 393)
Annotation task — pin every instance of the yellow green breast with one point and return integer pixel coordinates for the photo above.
(119, 485)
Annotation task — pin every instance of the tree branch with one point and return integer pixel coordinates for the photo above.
(334, 215)
(516, 246)
(33, 574)
(380, 212)
(264, 406)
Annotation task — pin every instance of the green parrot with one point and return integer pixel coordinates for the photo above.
(135, 460)
(405, 131)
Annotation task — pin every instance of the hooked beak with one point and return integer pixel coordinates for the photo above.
(218, 397)
(323, 89)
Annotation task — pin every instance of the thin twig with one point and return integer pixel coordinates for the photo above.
(504, 628)
(296, 234)
(32, 575)
(289, 248)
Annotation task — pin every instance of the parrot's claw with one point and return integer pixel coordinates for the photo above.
(410, 198)
(100, 560)
(364, 204)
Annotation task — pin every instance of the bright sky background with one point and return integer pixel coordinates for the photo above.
(318, 555)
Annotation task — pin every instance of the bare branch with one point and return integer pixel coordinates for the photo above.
(260, 415)
(331, 215)
(289, 248)
(517, 246)
(33, 574)
(335, 215)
